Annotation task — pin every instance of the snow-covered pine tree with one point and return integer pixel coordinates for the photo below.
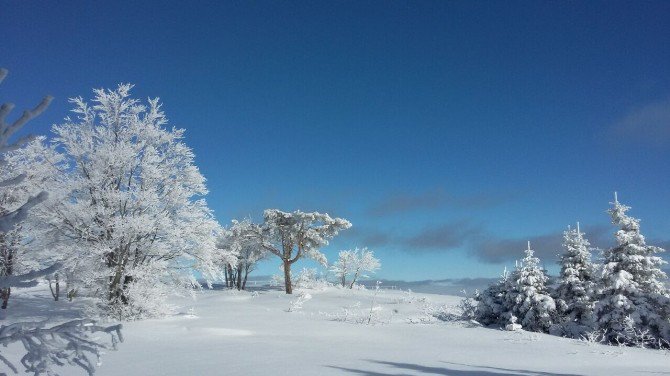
(632, 285)
(574, 295)
(492, 302)
(533, 306)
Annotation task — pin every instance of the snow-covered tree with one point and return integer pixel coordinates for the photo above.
(296, 235)
(46, 348)
(354, 262)
(16, 199)
(492, 302)
(240, 241)
(20, 248)
(575, 293)
(632, 285)
(533, 305)
(344, 265)
(132, 217)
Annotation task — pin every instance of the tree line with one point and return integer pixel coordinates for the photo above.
(623, 300)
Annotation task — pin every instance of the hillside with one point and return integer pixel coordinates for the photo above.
(251, 333)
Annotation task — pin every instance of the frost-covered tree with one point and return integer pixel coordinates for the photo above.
(46, 348)
(632, 293)
(296, 235)
(243, 251)
(21, 249)
(15, 199)
(132, 215)
(532, 303)
(344, 266)
(354, 262)
(575, 292)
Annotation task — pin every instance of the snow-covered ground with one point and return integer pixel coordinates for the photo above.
(252, 333)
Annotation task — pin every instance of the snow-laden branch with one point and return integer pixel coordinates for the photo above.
(7, 130)
(11, 219)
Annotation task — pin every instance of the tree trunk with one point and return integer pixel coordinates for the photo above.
(56, 293)
(353, 281)
(225, 273)
(5, 296)
(127, 280)
(9, 271)
(239, 277)
(70, 292)
(244, 281)
(287, 277)
(231, 277)
(344, 280)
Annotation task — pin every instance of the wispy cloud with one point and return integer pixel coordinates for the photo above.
(649, 124)
(444, 237)
(405, 202)
(547, 247)
(481, 244)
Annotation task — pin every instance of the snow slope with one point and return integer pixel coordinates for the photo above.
(225, 332)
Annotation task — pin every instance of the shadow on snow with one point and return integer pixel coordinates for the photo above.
(417, 369)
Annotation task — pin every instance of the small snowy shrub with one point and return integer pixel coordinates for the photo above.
(468, 306)
(296, 304)
(276, 280)
(593, 337)
(513, 326)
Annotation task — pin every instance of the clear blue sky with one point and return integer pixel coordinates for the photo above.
(447, 132)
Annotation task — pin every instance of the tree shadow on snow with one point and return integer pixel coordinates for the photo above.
(36, 307)
(417, 369)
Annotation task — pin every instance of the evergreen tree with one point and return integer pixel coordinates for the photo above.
(532, 303)
(491, 303)
(632, 293)
(576, 285)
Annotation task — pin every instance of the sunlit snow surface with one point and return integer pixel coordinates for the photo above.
(244, 333)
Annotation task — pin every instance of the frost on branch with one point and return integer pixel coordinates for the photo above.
(9, 219)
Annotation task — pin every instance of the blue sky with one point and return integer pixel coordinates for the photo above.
(447, 132)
